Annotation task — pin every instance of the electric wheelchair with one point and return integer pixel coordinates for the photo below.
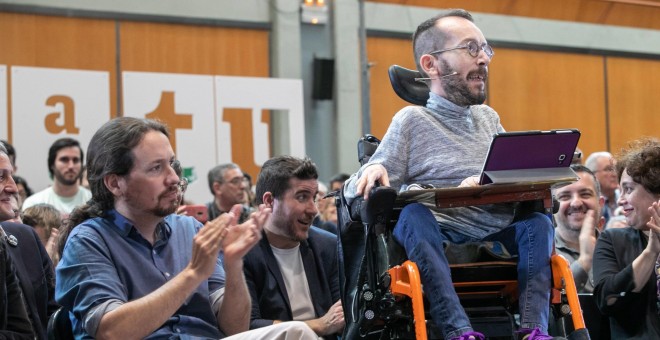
(381, 290)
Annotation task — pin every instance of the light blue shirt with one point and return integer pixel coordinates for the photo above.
(106, 262)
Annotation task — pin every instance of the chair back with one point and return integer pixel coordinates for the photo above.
(408, 85)
(59, 325)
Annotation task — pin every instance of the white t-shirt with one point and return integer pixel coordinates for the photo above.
(295, 280)
(63, 204)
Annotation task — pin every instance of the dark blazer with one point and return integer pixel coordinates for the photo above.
(270, 300)
(35, 271)
(14, 321)
(632, 315)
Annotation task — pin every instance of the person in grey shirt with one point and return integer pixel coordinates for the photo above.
(442, 144)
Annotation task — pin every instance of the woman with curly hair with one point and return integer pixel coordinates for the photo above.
(626, 259)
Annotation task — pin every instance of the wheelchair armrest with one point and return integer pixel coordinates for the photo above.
(377, 209)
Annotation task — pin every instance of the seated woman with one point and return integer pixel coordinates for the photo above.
(625, 264)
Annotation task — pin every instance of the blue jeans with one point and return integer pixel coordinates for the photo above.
(531, 239)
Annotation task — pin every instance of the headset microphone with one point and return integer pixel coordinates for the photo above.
(446, 75)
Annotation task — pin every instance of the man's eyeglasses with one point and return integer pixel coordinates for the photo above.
(236, 181)
(606, 169)
(472, 48)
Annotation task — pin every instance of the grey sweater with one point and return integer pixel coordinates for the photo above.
(441, 144)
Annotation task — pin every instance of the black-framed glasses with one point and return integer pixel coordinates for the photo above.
(472, 48)
(609, 168)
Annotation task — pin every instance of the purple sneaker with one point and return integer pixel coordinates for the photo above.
(535, 334)
(470, 336)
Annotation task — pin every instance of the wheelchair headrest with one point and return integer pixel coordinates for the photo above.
(404, 84)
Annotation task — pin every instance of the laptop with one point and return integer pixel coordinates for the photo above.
(530, 156)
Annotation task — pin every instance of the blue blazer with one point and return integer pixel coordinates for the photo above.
(270, 300)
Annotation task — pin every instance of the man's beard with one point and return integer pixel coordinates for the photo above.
(167, 209)
(64, 180)
(456, 88)
(286, 227)
(158, 210)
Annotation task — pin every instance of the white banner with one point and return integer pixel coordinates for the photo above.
(48, 104)
(185, 103)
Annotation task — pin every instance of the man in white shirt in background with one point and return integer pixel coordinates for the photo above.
(65, 159)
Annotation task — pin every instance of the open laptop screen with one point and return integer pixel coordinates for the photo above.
(530, 156)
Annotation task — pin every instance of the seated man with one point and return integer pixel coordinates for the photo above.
(578, 223)
(14, 321)
(227, 184)
(441, 144)
(65, 158)
(35, 271)
(132, 269)
(292, 273)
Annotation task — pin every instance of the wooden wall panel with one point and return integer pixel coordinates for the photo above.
(194, 49)
(205, 50)
(383, 52)
(57, 42)
(634, 110)
(590, 11)
(549, 90)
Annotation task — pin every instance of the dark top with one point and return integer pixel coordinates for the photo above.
(36, 273)
(14, 321)
(214, 212)
(632, 315)
(270, 300)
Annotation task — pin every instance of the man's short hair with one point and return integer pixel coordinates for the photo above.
(9, 151)
(340, 177)
(592, 160)
(583, 169)
(3, 150)
(429, 38)
(641, 159)
(218, 172)
(276, 173)
(59, 145)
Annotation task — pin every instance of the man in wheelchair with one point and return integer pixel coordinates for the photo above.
(444, 144)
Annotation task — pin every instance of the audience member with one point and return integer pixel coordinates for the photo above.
(337, 181)
(65, 158)
(602, 164)
(46, 221)
(228, 189)
(578, 223)
(617, 221)
(626, 269)
(11, 153)
(133, 269)
(322, 205)
(24, 190)
(292, 272)
(35, 272)
(248, 198)
(441, 144)
(14, 320)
